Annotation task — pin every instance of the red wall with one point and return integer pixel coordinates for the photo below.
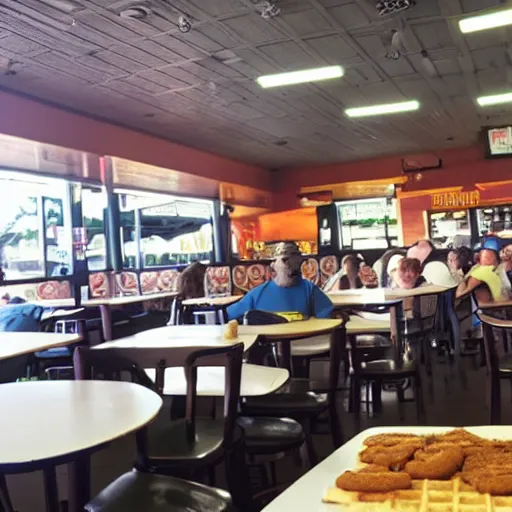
(461, 167)
(30, 119)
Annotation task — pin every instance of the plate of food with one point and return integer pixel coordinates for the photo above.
(428, 470)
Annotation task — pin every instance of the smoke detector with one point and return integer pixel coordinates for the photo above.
(269, 10)
(136, 12)
(184, 24)
(387, 7)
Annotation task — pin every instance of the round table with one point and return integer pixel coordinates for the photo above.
(46, 423)
(292, 330)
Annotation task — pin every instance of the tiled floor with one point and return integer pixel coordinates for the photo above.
(454, 399)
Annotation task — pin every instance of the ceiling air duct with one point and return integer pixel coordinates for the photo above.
(387, 7)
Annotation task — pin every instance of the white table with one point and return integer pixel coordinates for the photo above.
(305, 495)
(357, 325)
(212, 301)
(180, 336)
(14, 344)
(54, 422)
(292, 330)
(256, 380)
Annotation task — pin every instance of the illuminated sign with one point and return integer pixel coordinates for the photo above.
(455, 199)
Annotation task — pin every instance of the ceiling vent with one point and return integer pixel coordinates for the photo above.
(226, 57)
(63, 5)
(387, 7)
(136, 12)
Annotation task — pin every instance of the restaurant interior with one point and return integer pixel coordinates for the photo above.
(255, 255)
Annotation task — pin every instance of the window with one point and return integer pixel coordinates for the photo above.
(368, 223)
(35, 226)
(164, 230)
(94, 203)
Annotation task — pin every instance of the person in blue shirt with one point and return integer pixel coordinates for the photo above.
(287, 291)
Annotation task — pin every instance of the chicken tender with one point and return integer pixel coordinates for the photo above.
(459, 436)
(492, 483)
(392, 457)
(394, 439)
(382, 481)
(435, 463)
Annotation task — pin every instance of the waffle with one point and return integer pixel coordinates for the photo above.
(424, 496)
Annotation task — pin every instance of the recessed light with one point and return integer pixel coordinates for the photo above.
(486, 21)
(495, 99)
(299, 77)
(389, 108)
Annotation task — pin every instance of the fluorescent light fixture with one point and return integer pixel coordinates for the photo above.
(377, 110)
(486, 21)
(495, 99)
(299, 77)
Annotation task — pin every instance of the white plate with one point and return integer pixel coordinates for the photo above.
(305, 495)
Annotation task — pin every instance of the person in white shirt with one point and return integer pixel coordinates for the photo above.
(435, 271)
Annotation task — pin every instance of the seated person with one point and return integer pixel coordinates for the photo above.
(287, 291)
(387, 262)
(482, 279)
(354, 274)
(191, 286)
(505, 268)
(453, 262)
(434, 270)
(407, 275)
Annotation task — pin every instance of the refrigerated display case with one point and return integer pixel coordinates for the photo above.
(496, 220)
(368, 223)
(450, 228)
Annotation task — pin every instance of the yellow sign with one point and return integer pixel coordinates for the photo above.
(455, 199)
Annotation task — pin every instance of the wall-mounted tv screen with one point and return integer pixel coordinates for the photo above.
(499, 142)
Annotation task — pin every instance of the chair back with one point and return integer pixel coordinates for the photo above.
(113, 362)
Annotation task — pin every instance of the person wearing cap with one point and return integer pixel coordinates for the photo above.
(483, 279)
(287, 291)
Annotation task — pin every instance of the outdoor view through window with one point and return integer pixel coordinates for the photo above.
(172, 230)
(35, 227)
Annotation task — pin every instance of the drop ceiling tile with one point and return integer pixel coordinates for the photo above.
(434, 35)
(140, 56)
(253, 29)
(349, 15)
(65, 66)
(20, 45)
(119, 61)
(333, 49)
(307, 22)
(290, 56)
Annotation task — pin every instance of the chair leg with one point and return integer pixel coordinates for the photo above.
(5, 500)
(307, 450)
(335, 424)
(355, 394)
(418, 395)
(495, 399)
(237, 478)
(51, 490)
(273, 474)
(377, 397)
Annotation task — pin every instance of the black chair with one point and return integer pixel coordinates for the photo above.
(419, 324)
(137, 492)
(304, 400)
(498, 367)
(376, 373)
(191, 445)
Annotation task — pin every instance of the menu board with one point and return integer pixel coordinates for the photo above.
(500, 141)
